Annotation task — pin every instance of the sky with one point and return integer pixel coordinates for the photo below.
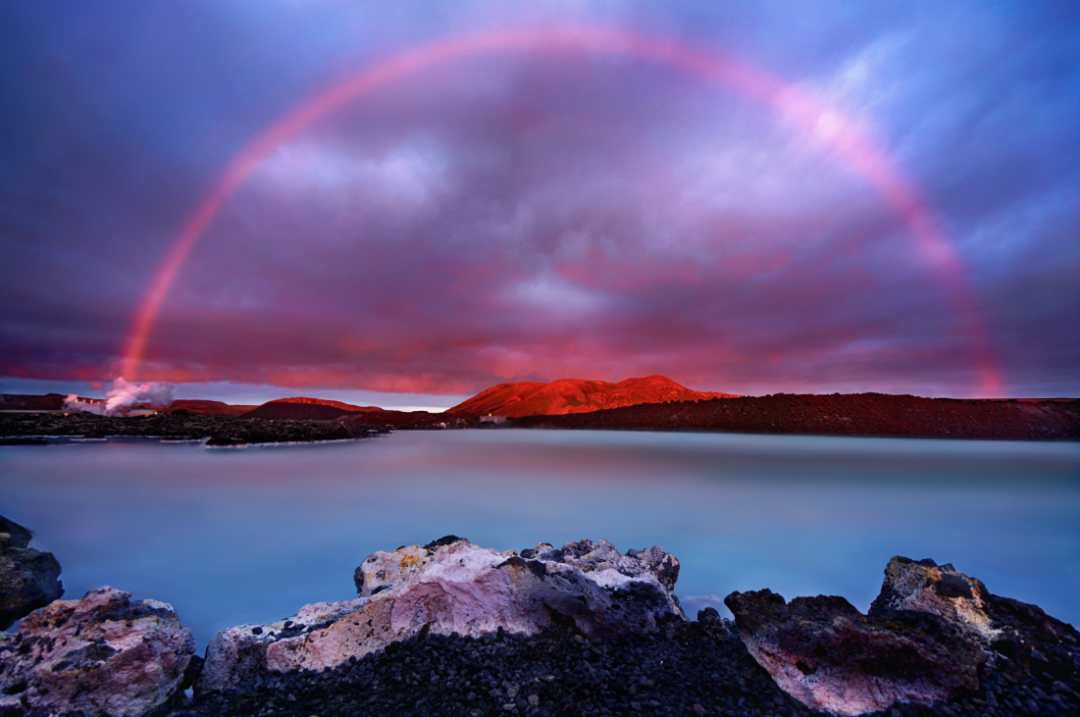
(540, 213)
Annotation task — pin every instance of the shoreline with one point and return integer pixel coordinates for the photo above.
(851, 415)
(582, 630)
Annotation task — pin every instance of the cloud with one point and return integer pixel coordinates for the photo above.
(541, 216)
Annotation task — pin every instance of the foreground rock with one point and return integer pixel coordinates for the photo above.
(928, 637)
(102, 655)
(450, 587)
(28, 577)
(684, 669)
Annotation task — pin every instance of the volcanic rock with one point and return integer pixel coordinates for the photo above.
(28, 577)
(571, 395)
(102, 655)
(926, 638)
(452, 586)
(1018, 637)
(826, 654)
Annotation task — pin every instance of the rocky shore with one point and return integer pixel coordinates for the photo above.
(224, 431)
(451, 628)
(42, 428)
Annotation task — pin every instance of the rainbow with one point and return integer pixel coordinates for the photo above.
(802, 109)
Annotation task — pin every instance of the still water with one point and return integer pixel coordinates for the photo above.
(232, 536)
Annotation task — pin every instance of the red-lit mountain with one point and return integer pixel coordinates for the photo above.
(571, 395)
(306, 409)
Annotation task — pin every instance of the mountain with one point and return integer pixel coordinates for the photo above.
(306, 409)
(571, 395)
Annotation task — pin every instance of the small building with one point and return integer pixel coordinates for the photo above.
(493, 419)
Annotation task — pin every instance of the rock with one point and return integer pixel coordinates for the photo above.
(452, 586)
(926, 637)
(1010, 632)
(925, 586)
(237, 656)
(829, 656)
(102, 655)
(28, 577)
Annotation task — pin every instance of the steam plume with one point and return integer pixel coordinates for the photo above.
(123, 396)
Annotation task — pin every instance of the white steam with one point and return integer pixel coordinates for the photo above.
(123, 396)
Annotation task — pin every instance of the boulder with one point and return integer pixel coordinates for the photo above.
(28, 577)
(102, 655)
(829, 656)
(925, 586)
(452, 586)
(926, 638)
(1014, 635)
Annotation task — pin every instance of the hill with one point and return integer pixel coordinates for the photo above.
(306, 409)
(208, 408)
(571, 395)
(26, 402)
(863, 414)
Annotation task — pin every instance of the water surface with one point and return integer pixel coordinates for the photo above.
(231, 536)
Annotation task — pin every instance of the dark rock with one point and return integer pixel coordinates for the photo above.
(927, 637)
(826, 654)
(1020, 636)
(28, 577)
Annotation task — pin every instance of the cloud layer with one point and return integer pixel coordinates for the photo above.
(537, 217)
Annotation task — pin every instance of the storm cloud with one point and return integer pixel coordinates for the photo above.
(532, 216)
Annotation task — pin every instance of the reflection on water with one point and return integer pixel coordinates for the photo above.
(236, 536)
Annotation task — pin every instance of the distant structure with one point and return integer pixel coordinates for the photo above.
(492, 419)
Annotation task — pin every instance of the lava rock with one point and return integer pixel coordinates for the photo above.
(102, 655)
(929, 636)
(28, 577)
(456, 588)
(1017, 636)
(829, 656)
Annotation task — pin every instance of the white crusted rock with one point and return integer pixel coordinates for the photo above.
(452, 586)
(102, 655)
(237, 656)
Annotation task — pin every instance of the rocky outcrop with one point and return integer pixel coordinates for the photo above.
(102, 655)
(28, 577)
(827, 655)
(1016, 636)
(452, 586)
(926, 638)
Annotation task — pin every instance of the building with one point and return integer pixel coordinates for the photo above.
(493, 419)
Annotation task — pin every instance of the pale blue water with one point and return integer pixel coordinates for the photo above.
(235, 536)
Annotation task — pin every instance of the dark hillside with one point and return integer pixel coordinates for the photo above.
(862, 414)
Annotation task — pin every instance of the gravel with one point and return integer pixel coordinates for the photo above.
(698, 668)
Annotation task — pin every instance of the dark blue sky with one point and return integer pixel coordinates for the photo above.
(526, 216)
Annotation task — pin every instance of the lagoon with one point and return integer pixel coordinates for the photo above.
(234, 536)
